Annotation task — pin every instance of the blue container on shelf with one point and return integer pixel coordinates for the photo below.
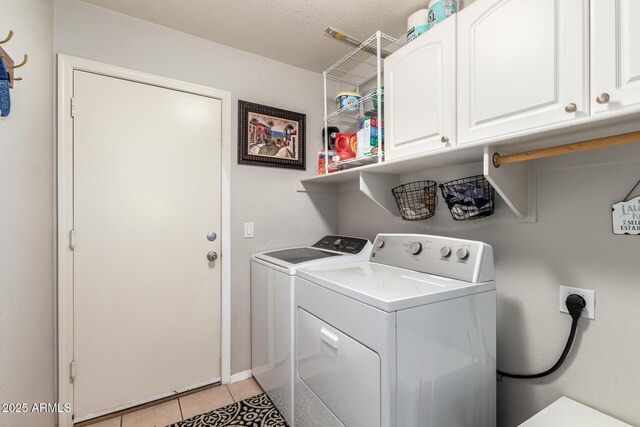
(348, 101)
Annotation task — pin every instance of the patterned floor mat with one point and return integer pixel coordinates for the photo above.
(257, 411)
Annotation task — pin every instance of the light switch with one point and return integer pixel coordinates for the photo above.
(248, 230)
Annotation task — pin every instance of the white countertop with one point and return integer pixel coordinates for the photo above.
(565, 412)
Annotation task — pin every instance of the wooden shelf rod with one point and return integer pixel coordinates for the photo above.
(593, 144)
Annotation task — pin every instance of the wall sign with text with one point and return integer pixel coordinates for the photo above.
(626, 215)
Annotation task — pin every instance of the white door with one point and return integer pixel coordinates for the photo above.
(522, 65)
(420, 93)
(615, 59)
(146, 194)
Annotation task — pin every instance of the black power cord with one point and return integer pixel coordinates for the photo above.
(575, 303)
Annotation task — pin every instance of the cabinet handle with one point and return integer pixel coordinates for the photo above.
(571, 108)
(444, 139)
(603, 98)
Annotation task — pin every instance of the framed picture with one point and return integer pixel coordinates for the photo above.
(270, 136)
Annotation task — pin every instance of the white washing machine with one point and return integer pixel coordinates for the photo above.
(405, 339)
(272, 311)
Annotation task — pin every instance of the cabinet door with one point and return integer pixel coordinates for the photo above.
(615, 60)
(420, 93)
(521, 66)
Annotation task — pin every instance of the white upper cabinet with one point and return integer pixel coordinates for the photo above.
(615, 60)
(419, 92)
(522, 65)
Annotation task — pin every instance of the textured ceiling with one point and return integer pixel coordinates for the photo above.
(290, 31)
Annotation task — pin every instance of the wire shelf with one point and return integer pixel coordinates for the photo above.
(360, 65)
(352, 120)
(358, 161)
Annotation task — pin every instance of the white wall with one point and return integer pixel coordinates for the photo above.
(571, 244)
(26, 217)
(265, 196)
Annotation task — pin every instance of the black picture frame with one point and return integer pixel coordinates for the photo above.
(269, 136)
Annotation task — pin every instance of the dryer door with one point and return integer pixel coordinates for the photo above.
(341, 372)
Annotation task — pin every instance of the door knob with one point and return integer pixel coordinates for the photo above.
(444, 139)
(571, 108)
(211, 236)
(212, 256)
(603, 98)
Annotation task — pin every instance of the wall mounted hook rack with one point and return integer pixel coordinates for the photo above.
(9, 62)
(8, 38)
(23, 63)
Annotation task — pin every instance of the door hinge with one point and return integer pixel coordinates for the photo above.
(72, 239)
(72, 370)
(73, 107)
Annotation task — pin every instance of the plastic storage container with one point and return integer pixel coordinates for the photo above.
(348, 101)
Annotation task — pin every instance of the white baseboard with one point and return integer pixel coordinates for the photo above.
(240, 376)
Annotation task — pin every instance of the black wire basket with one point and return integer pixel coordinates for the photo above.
(416, 200)
(469, 198)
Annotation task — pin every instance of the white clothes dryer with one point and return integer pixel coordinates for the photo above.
(405, 339)
(272, 312)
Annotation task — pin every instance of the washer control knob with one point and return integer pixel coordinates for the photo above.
(337, 242)
(445, 252)
(415, 248)
(380, 244)
(462, 253)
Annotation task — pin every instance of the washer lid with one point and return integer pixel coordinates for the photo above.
(390, 288)
(300, 255)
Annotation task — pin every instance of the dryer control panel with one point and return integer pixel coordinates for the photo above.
(467, 260)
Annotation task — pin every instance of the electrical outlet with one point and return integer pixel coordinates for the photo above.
(589, 310)
(248, 230)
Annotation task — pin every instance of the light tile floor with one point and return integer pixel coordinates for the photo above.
(185, 407)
